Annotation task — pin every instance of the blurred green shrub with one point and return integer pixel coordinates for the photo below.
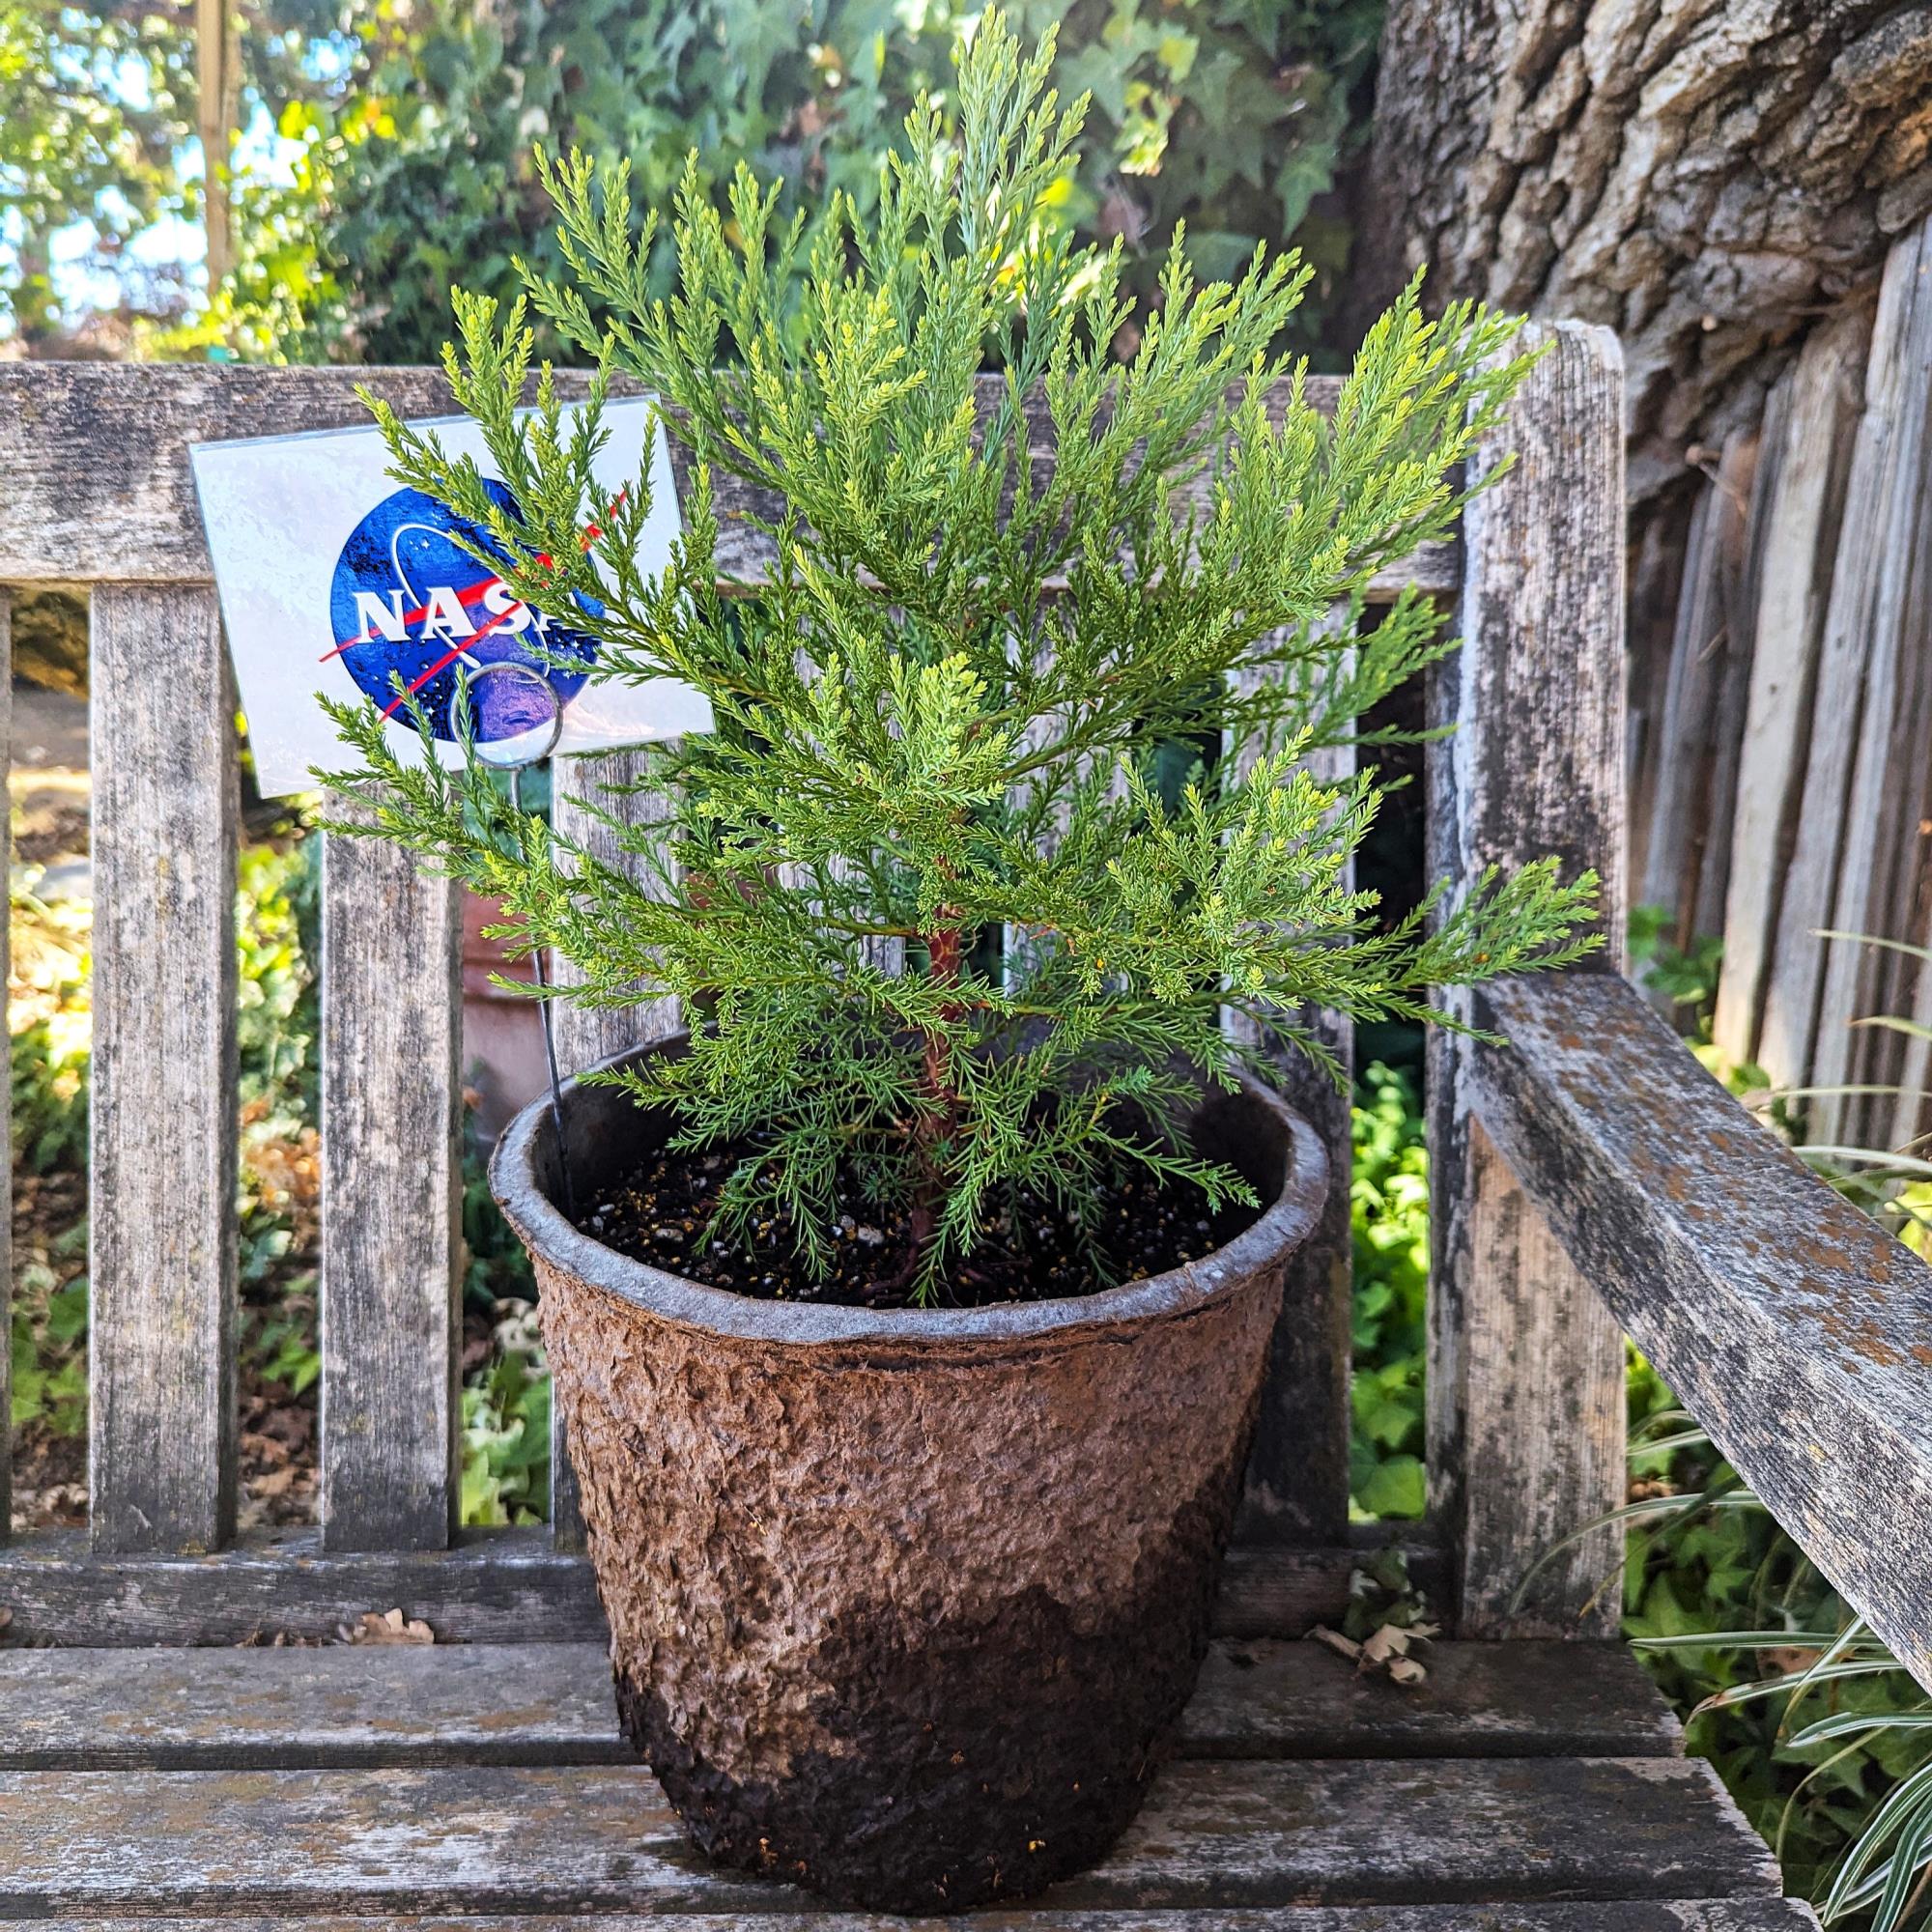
(1388, 1204)
(412, 139)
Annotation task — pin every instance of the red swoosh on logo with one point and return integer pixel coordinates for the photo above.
(448, 658)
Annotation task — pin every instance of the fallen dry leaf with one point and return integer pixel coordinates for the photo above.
(1334, 1640)
(388, 1626)
(1385, 1654)
(1385, 1647)
(264, 1448)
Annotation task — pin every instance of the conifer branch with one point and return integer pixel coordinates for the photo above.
(935, 716)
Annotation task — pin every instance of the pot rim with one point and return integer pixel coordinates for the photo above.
(1281, 1227)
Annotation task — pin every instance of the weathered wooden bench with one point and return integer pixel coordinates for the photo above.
(1589, 1177)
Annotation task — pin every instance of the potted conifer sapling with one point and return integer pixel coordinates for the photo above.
(911, 1323)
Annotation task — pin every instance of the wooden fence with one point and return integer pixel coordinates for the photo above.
(1784, 754)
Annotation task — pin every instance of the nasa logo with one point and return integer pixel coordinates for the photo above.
(408, 598)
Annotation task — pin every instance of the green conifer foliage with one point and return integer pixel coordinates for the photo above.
(938, 717)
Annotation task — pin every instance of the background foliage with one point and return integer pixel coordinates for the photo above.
(385, 142)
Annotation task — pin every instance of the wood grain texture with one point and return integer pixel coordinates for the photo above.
(5, 1124)
(1275, 1697)
(488, 1838)
(1525, 1375)
(1274, 1590)
(1803, 515)
(551, 1703)
(1684, 1914)
(1597, 1916)
(1792, 1326)
(1685, 857)
(1752, 462)
(1888, 800)
(502, 1586)
(163, 1134)
(496, 1587)
(99, 488)
(581, 807)
(582, 804)
(1829, 861)
(335, 1707)
(391, 1190)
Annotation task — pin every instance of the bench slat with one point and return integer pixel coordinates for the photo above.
(1684, 1914)
(392, 1100)
(1792, 1325)
(494, 1586)
(100, 489)
(162, 1143)
(486, 1839)
(551, 1703)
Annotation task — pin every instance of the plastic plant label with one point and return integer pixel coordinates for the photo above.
(335, 579)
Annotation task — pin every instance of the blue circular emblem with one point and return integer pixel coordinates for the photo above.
(408, 598)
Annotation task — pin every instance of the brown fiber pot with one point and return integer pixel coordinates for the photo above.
(904, 1605)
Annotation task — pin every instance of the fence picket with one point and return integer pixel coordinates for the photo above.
(1802, 516)
(1812, 991)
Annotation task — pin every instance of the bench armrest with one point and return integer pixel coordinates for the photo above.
(1795, 1330)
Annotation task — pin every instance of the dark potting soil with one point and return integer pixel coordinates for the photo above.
(659, 1211)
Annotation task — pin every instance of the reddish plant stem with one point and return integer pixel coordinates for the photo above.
(939, 1117)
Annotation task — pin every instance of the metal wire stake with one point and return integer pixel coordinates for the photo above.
(515, 768)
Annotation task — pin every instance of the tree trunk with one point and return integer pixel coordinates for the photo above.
(218, 64)
(1705, 175)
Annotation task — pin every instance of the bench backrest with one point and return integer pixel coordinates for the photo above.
(1526, 1369)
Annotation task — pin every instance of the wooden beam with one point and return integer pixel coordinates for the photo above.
(551, 1703)
(99, 491)
(1681, 1915)
(162, 1158)
(391, 1198)
(505, 1586)
(1297, 1479)
(496, 1838)
(492, 1586)
(1526, 1377)
(1797, 1331)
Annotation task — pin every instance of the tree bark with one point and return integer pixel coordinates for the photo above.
(1704, 176)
